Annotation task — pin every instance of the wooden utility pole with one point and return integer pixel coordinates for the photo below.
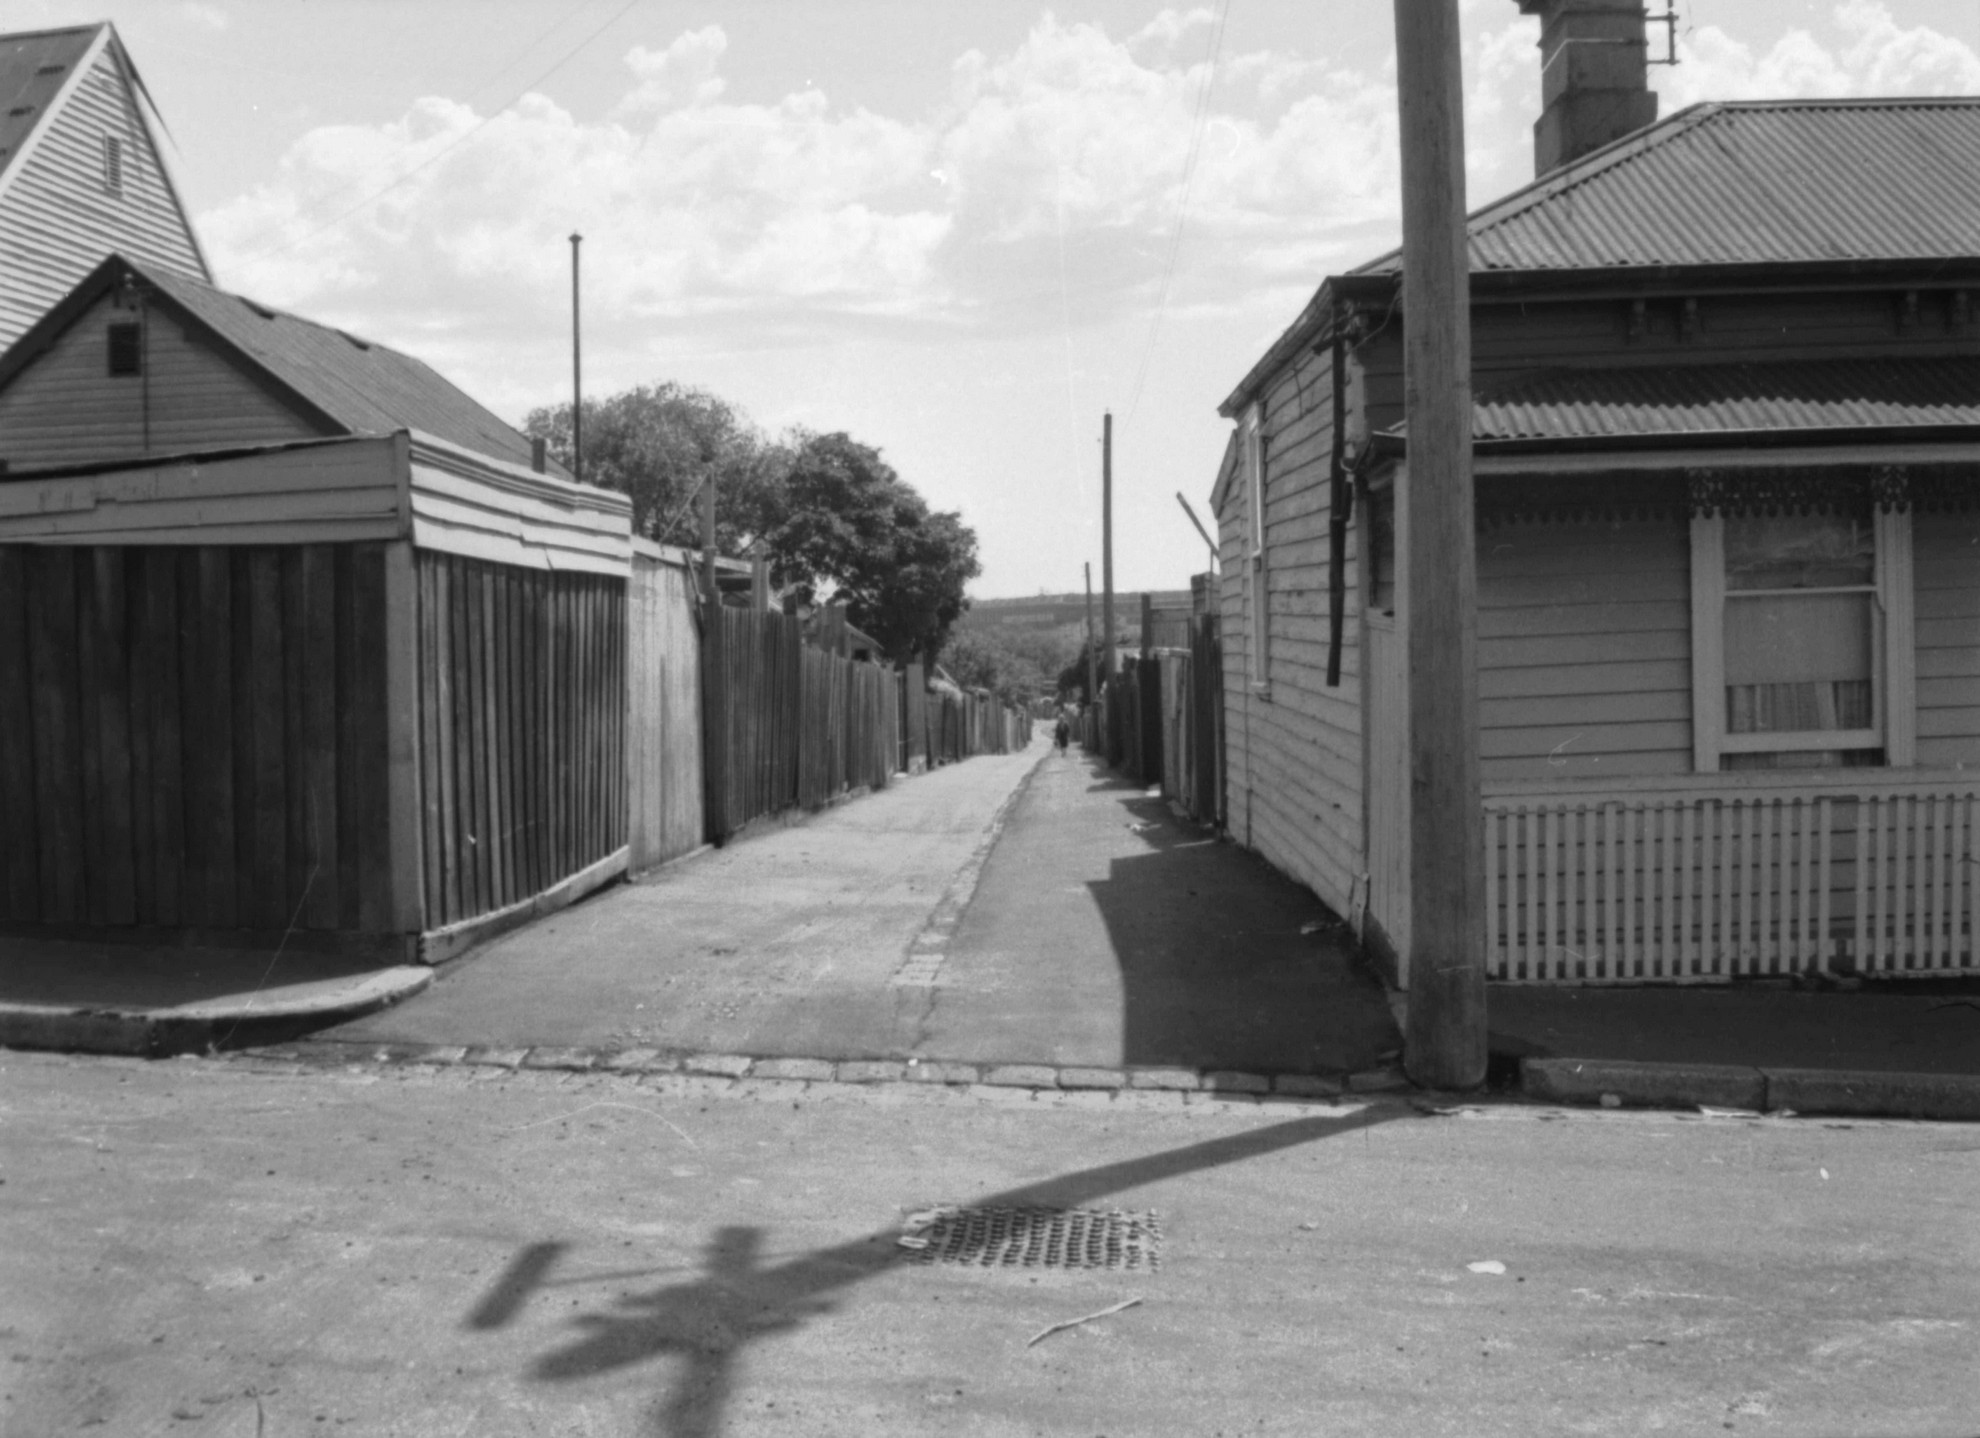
(1107, 541)
(714, 679)
(1444, 1036)
(1092, 658)
(577, 370)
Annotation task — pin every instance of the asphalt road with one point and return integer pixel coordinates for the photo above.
(227, 1247)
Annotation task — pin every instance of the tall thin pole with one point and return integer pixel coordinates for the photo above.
(577, 369)
(1092, 659)
(1107, 541)
(1444, 1035)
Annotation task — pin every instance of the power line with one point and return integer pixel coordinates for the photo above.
(454, 145)
(1182, 202)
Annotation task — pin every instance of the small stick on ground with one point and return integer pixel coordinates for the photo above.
(1045, 1333)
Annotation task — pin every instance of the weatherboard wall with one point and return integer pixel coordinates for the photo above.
(58, 219)
(65, 407)
(1293, 742)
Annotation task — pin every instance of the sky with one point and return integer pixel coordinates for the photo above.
(959, 233)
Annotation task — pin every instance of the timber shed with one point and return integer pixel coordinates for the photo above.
(1726, 381)
(297, 646)
(82, 174)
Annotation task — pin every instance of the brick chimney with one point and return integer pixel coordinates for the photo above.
(1594, 77)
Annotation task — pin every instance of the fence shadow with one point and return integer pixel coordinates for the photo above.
(710, 1320)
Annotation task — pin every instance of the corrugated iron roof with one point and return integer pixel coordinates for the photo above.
(1750, 182)
(34, 65)
(1732, 398)
(1766, 182)
(362, 385)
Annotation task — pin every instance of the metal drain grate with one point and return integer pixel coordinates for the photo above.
(1034, 1237)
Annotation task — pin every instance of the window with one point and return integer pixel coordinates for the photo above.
(1380, 511)
(113, 165)
(1259, 630)
(126, 348)
(1801, 640)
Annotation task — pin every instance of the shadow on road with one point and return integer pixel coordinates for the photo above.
(710, 1320)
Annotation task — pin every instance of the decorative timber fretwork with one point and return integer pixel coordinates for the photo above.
(1504, 499)
(1777, 491)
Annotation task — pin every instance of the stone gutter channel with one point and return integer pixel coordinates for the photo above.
(1716, 1090)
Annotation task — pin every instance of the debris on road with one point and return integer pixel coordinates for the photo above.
(1487, 1265)
(1045, 1333)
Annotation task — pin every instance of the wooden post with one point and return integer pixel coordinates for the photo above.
(577, 371)
(1092, 658)
(1147, 623)
(1444, 1036)
(1107, 542)
(406, 862)
(714, 680)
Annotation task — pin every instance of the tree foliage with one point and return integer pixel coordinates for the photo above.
(835, 521)
(658, 444)
(853, 531)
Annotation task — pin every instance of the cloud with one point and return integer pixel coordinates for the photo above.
(207, 17)
(1076, 177)
(1876, 56)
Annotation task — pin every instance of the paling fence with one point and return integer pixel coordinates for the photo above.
(1160, 720)
(914, 719)
(522, 711)
(663, 645)
(195, 739)
(803, 725)
(386, 696)
(961, 725)
(1670, 882)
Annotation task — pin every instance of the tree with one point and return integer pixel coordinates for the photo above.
(986, 659)
(659, 444)
(853, 532)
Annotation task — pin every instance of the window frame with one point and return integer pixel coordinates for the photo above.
(1259, 637)
(1892, 655)
(113, 165)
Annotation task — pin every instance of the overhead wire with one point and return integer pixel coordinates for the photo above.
(1197, 127)
(460, 140)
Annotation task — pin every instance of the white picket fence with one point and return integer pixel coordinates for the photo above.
(1702, 880)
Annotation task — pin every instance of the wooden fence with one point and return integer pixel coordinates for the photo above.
(1160, 720)
(194, 738)
(803, 725)
(663, 644)
(522, 705)
(1703, 885)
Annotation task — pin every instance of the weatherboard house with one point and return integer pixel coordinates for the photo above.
(299, 643)
(82, 174)
(1726, 439)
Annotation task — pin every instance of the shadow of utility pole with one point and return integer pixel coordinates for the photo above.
(710, 1320)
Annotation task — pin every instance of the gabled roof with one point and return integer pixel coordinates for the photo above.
(40, 69)
(1750, 182)
(1746, 185)
(347, 384)
(34, 68)
(1730, 403)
